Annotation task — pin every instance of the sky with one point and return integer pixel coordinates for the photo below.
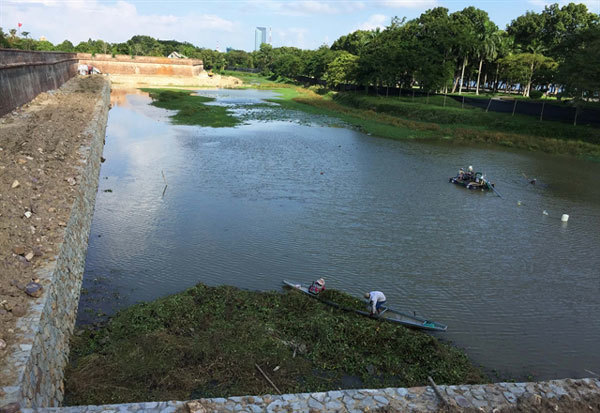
(218, 24)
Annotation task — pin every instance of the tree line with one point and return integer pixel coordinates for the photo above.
(554, 52)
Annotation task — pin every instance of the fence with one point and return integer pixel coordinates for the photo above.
(541, 110)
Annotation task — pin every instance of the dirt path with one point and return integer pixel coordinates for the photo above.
(39, 161)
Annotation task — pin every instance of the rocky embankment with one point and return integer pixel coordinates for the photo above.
(42, 156)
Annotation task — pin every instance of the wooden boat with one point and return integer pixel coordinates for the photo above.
(475, 181)
(387, 314)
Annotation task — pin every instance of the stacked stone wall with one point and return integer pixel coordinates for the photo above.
(43, 335)
(142, 65)
(556, 395)
(25, 74)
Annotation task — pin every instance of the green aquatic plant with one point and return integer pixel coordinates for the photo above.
(191, 109)
(205, 342)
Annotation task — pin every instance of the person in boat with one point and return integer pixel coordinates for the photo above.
(461, 174)
(376, 300)
(470, 174)
(317, 286)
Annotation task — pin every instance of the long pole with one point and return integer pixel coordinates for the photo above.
(542, 112)
(267, 377)
(514, 107)
(488, 106)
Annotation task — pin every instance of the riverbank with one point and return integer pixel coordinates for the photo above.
(407, 118)
(207, 341)
(50, 155)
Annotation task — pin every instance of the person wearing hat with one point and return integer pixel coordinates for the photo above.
(317, 286)
(376, 300)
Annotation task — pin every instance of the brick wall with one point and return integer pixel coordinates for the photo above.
(25, 74)
(142, 65)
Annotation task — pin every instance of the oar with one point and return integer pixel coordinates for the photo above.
(494, 189)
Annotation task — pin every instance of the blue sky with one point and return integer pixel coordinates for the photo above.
(218, 24)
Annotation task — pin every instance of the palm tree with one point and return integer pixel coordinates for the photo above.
(488, 48)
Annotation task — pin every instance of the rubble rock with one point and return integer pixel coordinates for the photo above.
(34, 289)
(10, 408)
(19, 311)
(15, 184)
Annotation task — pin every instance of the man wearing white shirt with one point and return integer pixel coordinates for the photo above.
(376, 300)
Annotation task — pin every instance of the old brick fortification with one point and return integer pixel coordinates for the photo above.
(24, 74)
(142, 65)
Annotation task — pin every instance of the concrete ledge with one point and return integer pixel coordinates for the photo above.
(41, 352)
(480, 397)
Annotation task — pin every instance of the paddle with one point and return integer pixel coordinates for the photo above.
(494, 189)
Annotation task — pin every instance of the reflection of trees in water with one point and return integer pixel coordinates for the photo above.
(119, 96)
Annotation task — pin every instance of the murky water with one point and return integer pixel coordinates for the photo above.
(284, 196)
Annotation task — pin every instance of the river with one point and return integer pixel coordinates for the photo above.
(289, 196)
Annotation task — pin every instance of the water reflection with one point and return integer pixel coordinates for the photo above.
(291, 198)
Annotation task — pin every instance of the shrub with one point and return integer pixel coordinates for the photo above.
(535, 94)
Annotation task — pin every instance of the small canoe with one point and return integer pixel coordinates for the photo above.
(387, 314)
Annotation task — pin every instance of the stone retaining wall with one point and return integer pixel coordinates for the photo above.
(555, 395)
(25, 74)
(142, 65)
(43, 335)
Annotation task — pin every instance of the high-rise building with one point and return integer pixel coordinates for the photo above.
(260, 37)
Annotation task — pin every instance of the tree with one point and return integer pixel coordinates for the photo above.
(342, 69)
(318, 60)
(352, 43)
(580, 70)
(239, 58)
(467, 25)
(65, 46)
(3, 39)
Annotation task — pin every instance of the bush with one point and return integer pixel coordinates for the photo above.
(535, 94)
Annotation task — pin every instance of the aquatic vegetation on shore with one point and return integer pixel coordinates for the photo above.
(205, 341)
(191, 109)
(403, 118)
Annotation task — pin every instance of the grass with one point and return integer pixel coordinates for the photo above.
(205, 341)
(454, 115)
(408, 118)
(191, 109)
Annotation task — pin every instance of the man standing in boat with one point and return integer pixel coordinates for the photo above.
(376, 300)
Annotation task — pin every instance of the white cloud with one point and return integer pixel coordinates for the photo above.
(407, 4)
(306, 7)
(80, 20)
(292, 36)
(375, 21)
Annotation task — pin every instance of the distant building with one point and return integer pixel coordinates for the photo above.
(176, 55)
(260, 37)
(43, 38)
(229, 49)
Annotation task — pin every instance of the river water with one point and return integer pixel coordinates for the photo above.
(289, 196)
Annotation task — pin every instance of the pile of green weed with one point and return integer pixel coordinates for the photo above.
(191, 109)
(343, 300)
(205, 341)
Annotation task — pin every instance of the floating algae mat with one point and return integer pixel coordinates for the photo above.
(191, 109)
(205, 342)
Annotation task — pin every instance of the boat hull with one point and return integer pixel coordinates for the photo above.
(388, 314)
